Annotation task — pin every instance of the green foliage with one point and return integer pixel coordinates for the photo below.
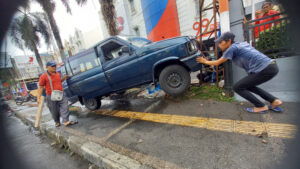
(208, 92)
(26, 30)
(274, 40)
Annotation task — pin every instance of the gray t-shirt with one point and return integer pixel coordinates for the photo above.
(246, 57)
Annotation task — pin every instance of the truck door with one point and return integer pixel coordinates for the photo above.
(88, 79)
(122, 69)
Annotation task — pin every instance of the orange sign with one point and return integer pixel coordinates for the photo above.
(206, 27)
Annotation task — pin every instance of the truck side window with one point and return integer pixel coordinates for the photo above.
(111, 50)
(84, 63)
(63, 71)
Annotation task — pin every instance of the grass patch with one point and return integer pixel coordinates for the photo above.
(208, 92)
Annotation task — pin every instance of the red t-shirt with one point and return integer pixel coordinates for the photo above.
(56, 82)
(267, 26)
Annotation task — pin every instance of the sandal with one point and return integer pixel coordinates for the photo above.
(68, 123)
(275, 109)
(57, 124)
(251, 110)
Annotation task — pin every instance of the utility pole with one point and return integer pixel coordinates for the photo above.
(225, 27)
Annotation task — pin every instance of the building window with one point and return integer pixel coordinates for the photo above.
(131, 2)
(137, 31)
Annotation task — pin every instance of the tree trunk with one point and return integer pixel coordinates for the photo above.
(48, 8)
(38, 57)
(57, 36)
(109, 16)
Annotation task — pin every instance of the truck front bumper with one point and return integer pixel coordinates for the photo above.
(191, 62)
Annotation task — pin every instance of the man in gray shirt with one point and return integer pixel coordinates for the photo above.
(259, 67)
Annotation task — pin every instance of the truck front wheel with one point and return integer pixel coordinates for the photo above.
(92, 103)
(174, 80)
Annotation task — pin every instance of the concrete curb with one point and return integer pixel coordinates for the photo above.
(80, 144)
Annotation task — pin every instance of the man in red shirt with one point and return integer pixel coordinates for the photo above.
(57, 108)
(265, 11)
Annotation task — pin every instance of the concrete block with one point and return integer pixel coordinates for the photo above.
(105, 158)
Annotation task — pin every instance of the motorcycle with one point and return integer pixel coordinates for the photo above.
(21, 99)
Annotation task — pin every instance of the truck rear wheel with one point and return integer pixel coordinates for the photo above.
(174, 80)
(92, 103)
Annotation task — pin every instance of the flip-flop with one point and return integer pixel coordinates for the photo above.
(251, 110)
(68, 123)
(57, 124)
(276, 109)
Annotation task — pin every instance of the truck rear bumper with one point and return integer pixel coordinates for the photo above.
(191, 62)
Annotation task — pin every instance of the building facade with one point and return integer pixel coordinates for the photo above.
(160, 19)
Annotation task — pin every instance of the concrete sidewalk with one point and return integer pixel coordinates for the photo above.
(96, 150)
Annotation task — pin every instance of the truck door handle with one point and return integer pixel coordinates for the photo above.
(108, 74)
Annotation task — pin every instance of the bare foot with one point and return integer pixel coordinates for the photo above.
(260, 109)
(276, 103)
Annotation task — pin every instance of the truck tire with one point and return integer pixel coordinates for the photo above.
(174, 80)
(92, 103)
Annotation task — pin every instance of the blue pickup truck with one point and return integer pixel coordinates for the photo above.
(119, 63)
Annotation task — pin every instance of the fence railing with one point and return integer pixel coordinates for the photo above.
(270, 37)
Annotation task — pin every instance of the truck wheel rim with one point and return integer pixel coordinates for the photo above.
(90, 102)
(174, 80)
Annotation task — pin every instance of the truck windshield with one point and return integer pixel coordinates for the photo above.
(136, 41)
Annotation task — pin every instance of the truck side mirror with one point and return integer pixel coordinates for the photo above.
(126, 49)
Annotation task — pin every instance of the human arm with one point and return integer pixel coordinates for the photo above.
(213, 62)
(64, 78)
(39, 93)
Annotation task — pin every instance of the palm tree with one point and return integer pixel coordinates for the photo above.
(109, 15)
(26, 30)
(49, 7)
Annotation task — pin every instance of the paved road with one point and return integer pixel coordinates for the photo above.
(36, 152)
(192, 147)
(187, 146)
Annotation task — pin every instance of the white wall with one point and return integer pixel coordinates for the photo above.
(121, 11)
(92, 37)
(136, 18)
(187, 16)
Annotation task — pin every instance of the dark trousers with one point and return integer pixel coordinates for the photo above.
(58, 108)
(248, 84)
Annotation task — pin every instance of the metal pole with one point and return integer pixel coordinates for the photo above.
(215, 34)
(253, 9)
(225, 27)
(200, 37)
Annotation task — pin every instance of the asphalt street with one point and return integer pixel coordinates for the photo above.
(36, 152)
(191, 147)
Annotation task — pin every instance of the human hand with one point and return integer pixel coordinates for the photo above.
(201, 59)
(65, 78)
(38, 100)
(244, 20)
